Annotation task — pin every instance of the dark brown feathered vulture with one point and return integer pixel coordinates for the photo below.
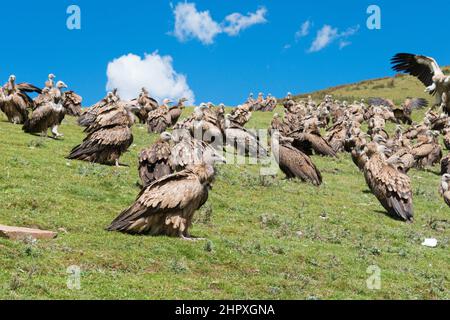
(175, 112)
(278, 125)
(337, 135)
(145, 104)
(429, 73)
(391, 187)
(309, 142)
(72, 103)
(48, 114)
(14, 101)
(445, 188)
(167, 206)
(154, 161)
(109, 136)
(427, 152)
(89, 115)
(159, 120)
(447, 138)
(445, 164)
(293, 162)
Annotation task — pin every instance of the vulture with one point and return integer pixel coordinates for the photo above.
(190, 151)
(293, 162)
(278, 125)
(427, 152)
(309, 142)
(241, 115)
(391, 187)
(14, 101)
(49, 113)
(447, 138)
(146, 104)
(175, 112)
(154, 161)
(89, 115)
(166, 207)
(243, 141)
(108, 136)
(445, 188)
(72, 104)
(445, 164)
(159, 120)
(427, 70)
(403, 114)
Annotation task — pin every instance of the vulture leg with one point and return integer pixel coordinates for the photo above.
(55, 132)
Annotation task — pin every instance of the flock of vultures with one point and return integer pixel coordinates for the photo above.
(177, 171)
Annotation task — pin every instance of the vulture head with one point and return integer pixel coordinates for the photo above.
(60, 85)
(373, 149)
(12, 78)
(445, 182)
(166, 136)
(51, 76)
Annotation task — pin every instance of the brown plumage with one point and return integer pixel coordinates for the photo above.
(49, 113)
(14, 101)
(427, 152)
(72, 104)
(391, 187)
(445, 164)
(109, 136)
(278, 125)
(293, 162)
(447, 138)
(89, 115)
(241, 115)
(175, 112)
(167, 206)
(154, 161)
(159, 120)
(309, 142)
(444, 189)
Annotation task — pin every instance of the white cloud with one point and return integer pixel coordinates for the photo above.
(191, 23)
(236, 22)
(328, 35)
(304, 30)
(324, 37)
(130, 73)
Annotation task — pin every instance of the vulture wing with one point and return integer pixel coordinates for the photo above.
(153, 162)
(178, 194)
(38, 121)
(27, 87)
(306, 142)
(424, 68)
(295, 163)
(417, 103)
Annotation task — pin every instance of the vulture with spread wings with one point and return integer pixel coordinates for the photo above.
(427, 70)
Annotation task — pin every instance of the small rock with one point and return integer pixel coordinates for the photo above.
(299, 234)
(18, 233)
(431, 242)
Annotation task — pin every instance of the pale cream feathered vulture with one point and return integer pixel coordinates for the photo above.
(427, 70)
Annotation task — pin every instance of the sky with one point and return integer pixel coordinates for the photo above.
(213, 50)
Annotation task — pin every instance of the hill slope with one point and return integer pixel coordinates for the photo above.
(268, 239)
(396, 88)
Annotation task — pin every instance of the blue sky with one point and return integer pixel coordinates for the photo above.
(36, 41)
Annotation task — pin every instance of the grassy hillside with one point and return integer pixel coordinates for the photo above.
(268, 239)
(396, 88)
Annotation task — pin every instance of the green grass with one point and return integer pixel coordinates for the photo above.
(396, 88)
(255, 250)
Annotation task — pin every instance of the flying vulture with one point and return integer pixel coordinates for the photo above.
(391, 187)
(427, 70)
